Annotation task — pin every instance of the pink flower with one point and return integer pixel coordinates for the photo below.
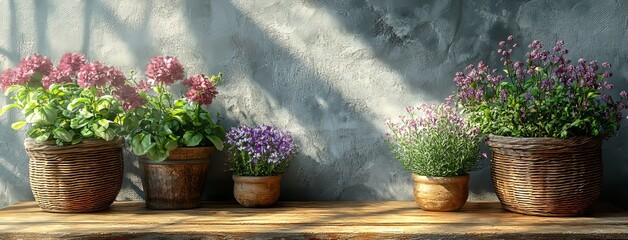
(71, 62)
(143, 85)
(92, 75)
(128, 96)
(56, 76)
(116, 77)
(35, 63)
(165, 69)
(202, 90)
(97, 75)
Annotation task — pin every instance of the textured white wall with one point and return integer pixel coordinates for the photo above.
(329, 71)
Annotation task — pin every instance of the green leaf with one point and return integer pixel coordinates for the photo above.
(216, 141)
(104, 123)
(42, 138)
(11, 89)
(86, 132)
(63, 134)
(7, 107)
(157, 155)
(76, 103)
(136, 145)
(18, 125)
(171, 144)
(108, 134)
(147, 143)
(77, 123)
(192, 138)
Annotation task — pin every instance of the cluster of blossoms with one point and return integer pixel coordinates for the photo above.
(26, 68)
(202, 89)
(261, 144)
(164, 69)
(543, 95)
(72, 68)
(434, 140)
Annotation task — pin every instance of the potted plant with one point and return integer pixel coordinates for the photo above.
(546, 118)
(258, 156)
(439, 147)
(175, 136)
(72, 113)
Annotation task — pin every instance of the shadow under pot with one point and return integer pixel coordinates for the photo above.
(441, 194)
(178, 181)
(256, 191)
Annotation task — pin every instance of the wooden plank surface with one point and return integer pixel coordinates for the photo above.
(386, 219)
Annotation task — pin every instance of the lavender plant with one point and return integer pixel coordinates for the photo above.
(546, 95)
(259, 151)
(434, 140)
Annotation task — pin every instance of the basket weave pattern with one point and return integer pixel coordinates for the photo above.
(547, 176)
(85, 177)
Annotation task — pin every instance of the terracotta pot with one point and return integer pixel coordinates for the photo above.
(441, 193)
(85, 177)
(177, 182)
(256, 191)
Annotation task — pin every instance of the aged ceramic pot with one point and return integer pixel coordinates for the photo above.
(177, 182)
(256, 191)
(441, 193)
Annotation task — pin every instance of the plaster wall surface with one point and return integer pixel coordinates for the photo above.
(329, 71)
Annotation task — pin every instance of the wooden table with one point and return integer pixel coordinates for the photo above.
(374, 220)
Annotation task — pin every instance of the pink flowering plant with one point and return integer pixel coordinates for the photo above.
(544, 95)
(259, 150)
(434, 140)
(166, 122)
(74, 101)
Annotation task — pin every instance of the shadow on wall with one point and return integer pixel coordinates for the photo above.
(340, 159)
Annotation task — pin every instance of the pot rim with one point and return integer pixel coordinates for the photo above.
(421, 178)
(238, 178)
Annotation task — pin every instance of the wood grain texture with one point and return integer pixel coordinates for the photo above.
(347, 220)
(441, 194)
(256, 191)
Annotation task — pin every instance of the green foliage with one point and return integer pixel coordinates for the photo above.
(164, 123)
(434, 141)
(65, 113)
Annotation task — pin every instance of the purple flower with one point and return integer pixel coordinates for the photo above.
(261, 144)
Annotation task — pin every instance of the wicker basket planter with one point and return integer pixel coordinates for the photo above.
(85, 177)
(177, 182)
(547, 176)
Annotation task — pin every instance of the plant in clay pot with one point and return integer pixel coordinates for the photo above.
(258, 156)
(175, 136)
(546, 117)
(439, 147)
(72, 113)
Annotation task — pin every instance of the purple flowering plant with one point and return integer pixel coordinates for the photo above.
(434, 140)
(544, 95)
(74, 101)
(259, 151)
(167, 121)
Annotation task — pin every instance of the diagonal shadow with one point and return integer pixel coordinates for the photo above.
(343, 144)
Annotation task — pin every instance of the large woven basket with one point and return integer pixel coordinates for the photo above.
(85, 177)
(547, 176)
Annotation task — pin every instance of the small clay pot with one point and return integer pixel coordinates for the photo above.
(256, 191)
(441, 194)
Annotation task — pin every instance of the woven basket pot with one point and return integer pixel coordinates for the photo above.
(547, 176)
(85, 177)
(177, 182)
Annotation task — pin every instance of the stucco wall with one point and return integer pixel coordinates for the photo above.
(329, 71)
